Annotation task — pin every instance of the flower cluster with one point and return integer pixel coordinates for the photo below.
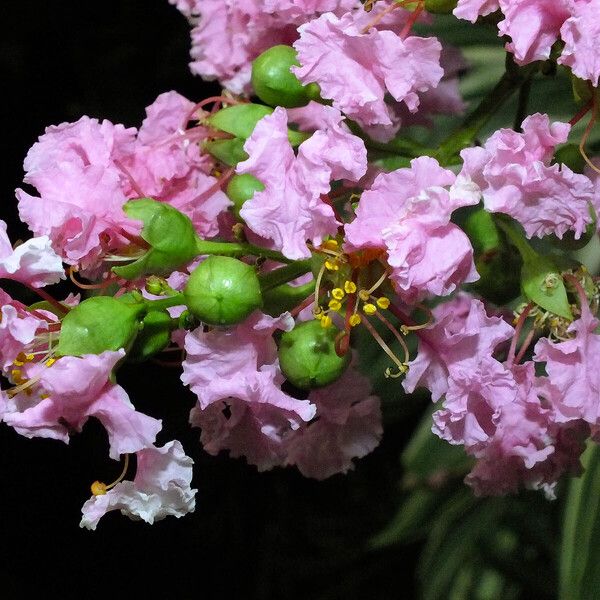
(251, 233)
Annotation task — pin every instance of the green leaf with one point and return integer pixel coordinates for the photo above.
(428, 463)
(171, 236)
(580, 553)
(98, 324)
(453, 542)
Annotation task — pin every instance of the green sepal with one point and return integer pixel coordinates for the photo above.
(170, 234)
(275, 84)
(241, 188)
(240, 119)
(230, 152)
(99, 324)
(153, 337)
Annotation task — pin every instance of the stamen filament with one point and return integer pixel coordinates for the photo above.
(388, 373)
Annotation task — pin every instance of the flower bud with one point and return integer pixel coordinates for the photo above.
(275, 84)
(98, 324)
(169, 233)
(307, 355)
(242, 188)
(222, 291)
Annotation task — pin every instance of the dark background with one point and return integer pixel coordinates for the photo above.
(264, 536)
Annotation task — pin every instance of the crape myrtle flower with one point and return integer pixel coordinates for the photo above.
(161, 487)
(227, 36)
(242, 407)
(535, 25)
(515, 177)
(406, 214)
(330, 153)
(86, 171)
(56, 396)
(356, 66)
(33, 262)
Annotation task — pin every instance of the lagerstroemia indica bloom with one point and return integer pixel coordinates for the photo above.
(267, 229)
(160, 488)
(513, 173)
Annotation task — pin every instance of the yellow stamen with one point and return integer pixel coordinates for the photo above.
(378, 282)
(383, 302)
(364, 295)
(369, 309)
(99, 489)
(29, 357)
(326, 322)
(335, 304)
(50, 362)
(354, 320)
(338, 293)
(350, 287)
(331, 265)
(331, 245)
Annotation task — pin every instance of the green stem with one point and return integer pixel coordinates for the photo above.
(176, 300)
(522, 105)
(286, 297)
(513, 78)
(278, 277)
(238, 249)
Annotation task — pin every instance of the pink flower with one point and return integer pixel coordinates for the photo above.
(166, 164)
(461, 336)
(228, 36)
(160, 488)
(33, 262)
(74, 168)
(533, 26)
(580, 33)
(471, 10)
(528, 447)
(236, 376)
(290, 211)
(476, 395)
(19, 330)
(356, 70)
(407, 214)
(572, 368)
(513, 175)
(347, 426)
(299, 11)
(63, 396)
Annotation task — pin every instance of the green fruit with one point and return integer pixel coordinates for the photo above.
(307, 356)
(222, 291)
(275, 84)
